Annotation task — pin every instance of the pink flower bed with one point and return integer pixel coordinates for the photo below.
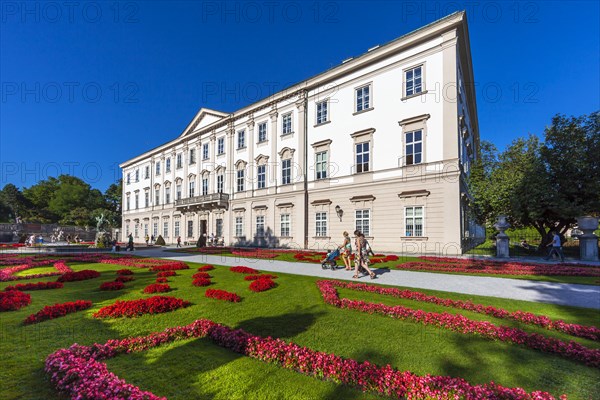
(201, 282)
(205, 268)
(461, 324)
(244, 270)
(79, 275)
(79, 372)
(134, 308)
(13, 300)
(35, 286)
(115, 285)
(157, 288)
(498, 268)
(263, 276)
(261, 285)
(222, 295)
(7, 274)
(57, 310)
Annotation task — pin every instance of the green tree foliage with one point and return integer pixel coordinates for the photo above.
(15, 201)
(541, 185)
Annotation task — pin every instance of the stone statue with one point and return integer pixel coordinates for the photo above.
(100, 222)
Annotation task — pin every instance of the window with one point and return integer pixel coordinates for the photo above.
(167, 195)
(192, 156)
(260, 225)
(158, 168)
(220, 181)
(414, 147)
(414, 81)
(147, 172)
(239, 226)
(166, 229)
(219, 225)
(363, 98)
(285, 225)
(190, 229)
(178, 192)
(136, 228)
(221, 146)
(362, 157)
(145, 230)
(156, 197)
(177, 229)
(192, 189)
(205, 151)
(321, 165)
(204, 186)
(146, 199)
(363, 221)
(286, 171)
(137, 201)
(321, 224)
(261, 174)
(240, 180)
(137, 175)
(155, 229)
(413, 221)
(127, 203)
(128, 178)
(241, 139)
(322, 112)
(179, 161)
(286, 124)
(168, 165)
(262, 132)
(126, 229)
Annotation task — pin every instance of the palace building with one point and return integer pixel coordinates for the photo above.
(382, 143)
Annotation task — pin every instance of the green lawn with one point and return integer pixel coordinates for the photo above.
(36, 270)
(293, 311)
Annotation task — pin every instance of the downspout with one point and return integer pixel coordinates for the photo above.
(305, 144)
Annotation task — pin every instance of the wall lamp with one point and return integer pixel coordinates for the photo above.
(339, 212)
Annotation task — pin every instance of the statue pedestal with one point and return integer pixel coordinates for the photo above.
(588, 242)
(502, 239)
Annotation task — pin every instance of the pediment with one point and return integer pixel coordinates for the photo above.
(204, 118)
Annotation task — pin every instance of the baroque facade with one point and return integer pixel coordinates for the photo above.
(381, 143)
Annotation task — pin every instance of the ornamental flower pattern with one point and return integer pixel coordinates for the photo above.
(57, 310)
(35, 286)
(79, 276)
(261, 285)
(114, 285)
(244, 270)
(13, 300)
(222, 295)
(157, 288)
(135, 308)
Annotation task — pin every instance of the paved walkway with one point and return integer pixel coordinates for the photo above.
(518, 289)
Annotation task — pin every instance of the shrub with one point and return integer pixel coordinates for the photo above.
(160, 241)
(35, 286)
(78, 276)
(115, 285)
(260, 285)
(157, 288)
(222, 295)
(13, 300)
(57, 310)
(134, 308)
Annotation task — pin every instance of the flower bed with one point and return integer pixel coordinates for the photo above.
(57, 311)
(157, 288)
(263, 276)
(205, 268)
(222, 295)
(498, 268)
(124, 278)
(7, 274)
(79, 276)
(162, 280)
(244, 270)
(165, 274)
(134, 308)
(125, 271)
(172, 266)
(79, 372)
(461, 324)
(35, 286)
(201, 275)
(13, 300)
(261, 285)
(201, 282)
(115, 285)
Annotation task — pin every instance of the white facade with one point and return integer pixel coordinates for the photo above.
(382, 143)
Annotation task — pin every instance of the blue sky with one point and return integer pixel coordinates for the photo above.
(87, 85)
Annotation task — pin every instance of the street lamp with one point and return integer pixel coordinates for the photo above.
(339, 212)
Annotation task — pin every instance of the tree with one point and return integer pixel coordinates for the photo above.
(13, 199)
(74, 193)
(114, 196)
(39, 196)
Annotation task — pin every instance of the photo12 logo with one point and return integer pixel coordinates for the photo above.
(68, 92)
(70, 12)
(270, 12)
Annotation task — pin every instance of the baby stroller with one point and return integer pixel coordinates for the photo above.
(329, 261)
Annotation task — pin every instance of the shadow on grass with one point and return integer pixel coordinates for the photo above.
(287, 325)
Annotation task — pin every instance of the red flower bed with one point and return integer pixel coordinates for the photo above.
(122, 278)
(57, 310)
(261, 285)
(256, 253)
(222, 295)
(13, 300)
(115, 285)
(205, 268)
(134, 308)
(471, 266)
(244, 270)
(201, 282)
(79, 276)
(35, 286)
(461, 324)
(162, 280)
(201, 275)
(172, 266)
(125, 271)
(157, 288)
(78, 372)
(263, 276)
(310, 256)
(165, 274)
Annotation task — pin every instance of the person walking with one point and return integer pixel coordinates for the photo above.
(346, 250)
(130, 243)
(147, 239)
(361, 256)
(556, 247)
(178, 241)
